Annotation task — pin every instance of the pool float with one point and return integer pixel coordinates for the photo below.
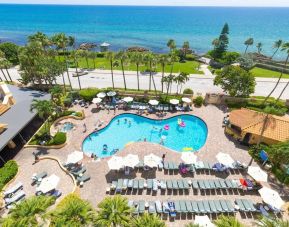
(181, 123)
(187, 149)
(167, 127)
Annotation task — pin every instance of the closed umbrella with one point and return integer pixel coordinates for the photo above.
(186, 100)
(189, 158)
(115, 163)
(257, 173)
(152, 160)
(271, 197)
(48, 184)
(225, 159)
(128, 99)
(174, 101)
(111, 93)
(101, 95)
(203, 221)
(74, 157)
(96, 100)
(131, 160)
(153, 102)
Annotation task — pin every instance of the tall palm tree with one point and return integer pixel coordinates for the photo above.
(186, 48)
(75, 54)
(110, 56)
(28, 212)
(40, 37)
(122, 56)
(180, 79)
(171, 44)
(277, 45)
(259, 47)
(148, 220)
(285, 47)
(228, 221)
(72, 211)
(137, 58)
(168, 81)
(114, 211)
(44, 108)
(172, 59)
(163, 61)
(93, 55)
(150, 60)
(248, 42)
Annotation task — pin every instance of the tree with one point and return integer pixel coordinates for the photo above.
(40, 37)
(180, 79)
(272, 222)
(44, 109)
(148, 220)
(277, 45)
(4, 64)
(279, 153)
(11, 52)
(259, 47)
(28, 212)
(72, 211)
(75, 54)
(173, 57)
(163, 61)
(223, 41)
(248, 42)
(137, 58)
(168, 80)
(228, 221)
(171, 44)
(186, 48)
(192, 225)
(122, 56)
(110, 56)
(246, 61)
(236, 81)
(56, 95)
(150, 60)
(113, 211)
(216, 43)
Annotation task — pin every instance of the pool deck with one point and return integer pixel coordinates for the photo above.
(95, 189)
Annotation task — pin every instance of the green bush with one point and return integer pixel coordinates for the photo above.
(279, 173)
(59, 138)
(7, 172)
(100, 55)
(188, 91)
(199, 101)
(190, 57)
(11, 52)
(88, 94)
(67, 101)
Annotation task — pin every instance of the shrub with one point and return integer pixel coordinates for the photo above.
(100, 55)
(188, 91)
(7, 172)
(190, 57)
(59, 138)
(11, 52)
(67, 102)
(88, 94)
(199, 101)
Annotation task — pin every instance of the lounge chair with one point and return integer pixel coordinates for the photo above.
(130, 183)
(14, 189)
(169, 184)
(163, 185)
(141, 208)
(228, 182)
(207, 184)
(224, 206)
(213, 207)
(183, 206)
(263, 211)
(15, 198)
(186, 184)
(113, 185)
(140, 184)
(207, 166)
(155, 185)
(175, 184)
(166, 208)
(135, 184)
(241, 206)
(177, 206)
(218, 206)
(201, 184)
(175, 166)
(171, 166)
(159, 207)
(135, 208)
(180, 184)
(201, 207)
(38, 177)
(79, 171)
(217, 184)
(195, 207)
(119, 185)
(223, 184)
(249, 206)
(195, 184)
(172, 209)
(207, 207)
(212, 184)
(149, 184)
(230, 206)
(152, 207)
(124, 184)
(82, 179)
(166, 166)
(189, 206)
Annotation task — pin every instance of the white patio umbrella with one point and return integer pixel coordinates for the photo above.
(101, 95)
(152, 160)
(203, 221)
(128, 99)
(271, 197)
(186, 100)
(115, 163)
(257, 173)
(74, 157)
(48, 184)
(131, 160)
(174, 101)
(153, 102)
(96, 100)
(189, 158)
(111, 93)
(225, 159)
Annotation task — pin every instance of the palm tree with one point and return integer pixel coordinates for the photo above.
(85, 54)
(163, 61)
(4, 64)
(114, 211)
(259, 47)
(168, 81)
(29, 212)
(186, 48)
(285, 47)
(72, 211)
(277, 45)
(110, 56)
(272, 222)
(137, 59)
(40, 37)
(182, 78)
(44, 109)
(148, 220)
(172, 59)
(56, 95)
(171, 44)
(93, 55)
(228, 221)
(248, 42)
(122, 56)
(75, 56)
(150, 60)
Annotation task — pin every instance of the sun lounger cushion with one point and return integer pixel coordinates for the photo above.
(213, 207)
(180, 183)
(175, 184)
(141, 183)
(230, 206)
(38, 177)
(83, 178)
(177, 206)
(14, 189)
(195, 184)
(201, 184)
(135, 184)
(155, 185)
(166, 208)
(130, 183)
(224, 205)
(169, 184)
(15, 198)
(218, 206)
(124, 184)
(119, 185)
(189, 206)
(149, 183)
(186, 184)
(163, 184)
(166, 165)
(207, 206)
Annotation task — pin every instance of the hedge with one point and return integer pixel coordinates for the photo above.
(7, 173)
(199, 101)
(188, 91)
(272, 67)
(88, 94)
(59, 138)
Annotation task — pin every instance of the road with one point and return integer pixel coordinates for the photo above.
(198, 83)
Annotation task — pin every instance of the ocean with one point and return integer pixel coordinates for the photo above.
(151, 27)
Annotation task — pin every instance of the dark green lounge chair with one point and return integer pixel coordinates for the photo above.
(83, 179)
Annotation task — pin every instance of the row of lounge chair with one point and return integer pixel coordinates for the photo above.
(78, 172)
(38, 178)
(14, 195)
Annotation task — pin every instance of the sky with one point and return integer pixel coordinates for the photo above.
(260, 3)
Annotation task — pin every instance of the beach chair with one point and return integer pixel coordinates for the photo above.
(172, 209)
(207, 166)
(207, 207)
(241, 206)
(14, 189)
(183, 206)
(223, 184)
(113, 185)
(212, 184)
(152, 207)
(130, 184)
(236, 184)
(79, 171)
(135, 208)
(141, 208)
(263, 211)
(228, 182)
(159, 207)
(224, 206)
(169, 184)
(189, 206)
(149, 184)
(201, 207)
(175, 184)
(119, 185)
(180, 184)
(217, 184)
(186, 184)
(166, 208)
(213, 207)
(166, 166)
(82, 179)
(38, 177)
(195, 184)
(171, 166)
(140, 184)
(177, 206)
(15, 198)
(201, 184)
(124, 184)
(199, 165)
(230, 206)
(218, 206)
(175, 166)
(195, 207)
(248, 205)
(135, 184)
(163, 185)
(207, 184)
(130, 203)
(155, 185)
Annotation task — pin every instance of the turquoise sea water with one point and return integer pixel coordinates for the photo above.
(128, 128)
(146, 26)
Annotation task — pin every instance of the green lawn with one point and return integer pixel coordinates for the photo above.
(259, 72)
(188, 67)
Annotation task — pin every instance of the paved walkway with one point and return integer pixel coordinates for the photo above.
(206, 70)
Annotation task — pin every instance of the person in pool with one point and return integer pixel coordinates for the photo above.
(118, 121)
(125, 120)
(129, 123)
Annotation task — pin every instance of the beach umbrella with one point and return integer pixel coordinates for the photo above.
(174, 101)
(189, 158)
(48, 184)
(225, 159)
(96, 100)
(257, 173)
(153, 102)
(131, 160)
(271, 197)
(74, 157)
(152, 160)
(186, 100)
(203, 221)
(101, 95)
(111, 93)
(128, 99)
(115, 163)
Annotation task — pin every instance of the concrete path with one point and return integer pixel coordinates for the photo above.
(205, 69)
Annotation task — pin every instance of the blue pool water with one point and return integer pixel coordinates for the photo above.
(67, 126)
(128, 128)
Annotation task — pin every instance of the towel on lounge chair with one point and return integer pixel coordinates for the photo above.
(14, 189)
(15, 198)
(38, 177)
(172, 209)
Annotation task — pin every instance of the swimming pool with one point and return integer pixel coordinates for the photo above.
(125, 129)
(67, 126)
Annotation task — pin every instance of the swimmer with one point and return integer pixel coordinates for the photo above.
(118, 121)
(129, 122)
(125, 120)
(161, 130)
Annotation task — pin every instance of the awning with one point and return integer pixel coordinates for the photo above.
(131, 160)
(189, 158)
(153, 102)
(96, 100)
(101, 95)
(128, 99)
(225, 159)
(271, 197)
(48, 184)
(174, 101)
(152, 160)
(115, 163)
